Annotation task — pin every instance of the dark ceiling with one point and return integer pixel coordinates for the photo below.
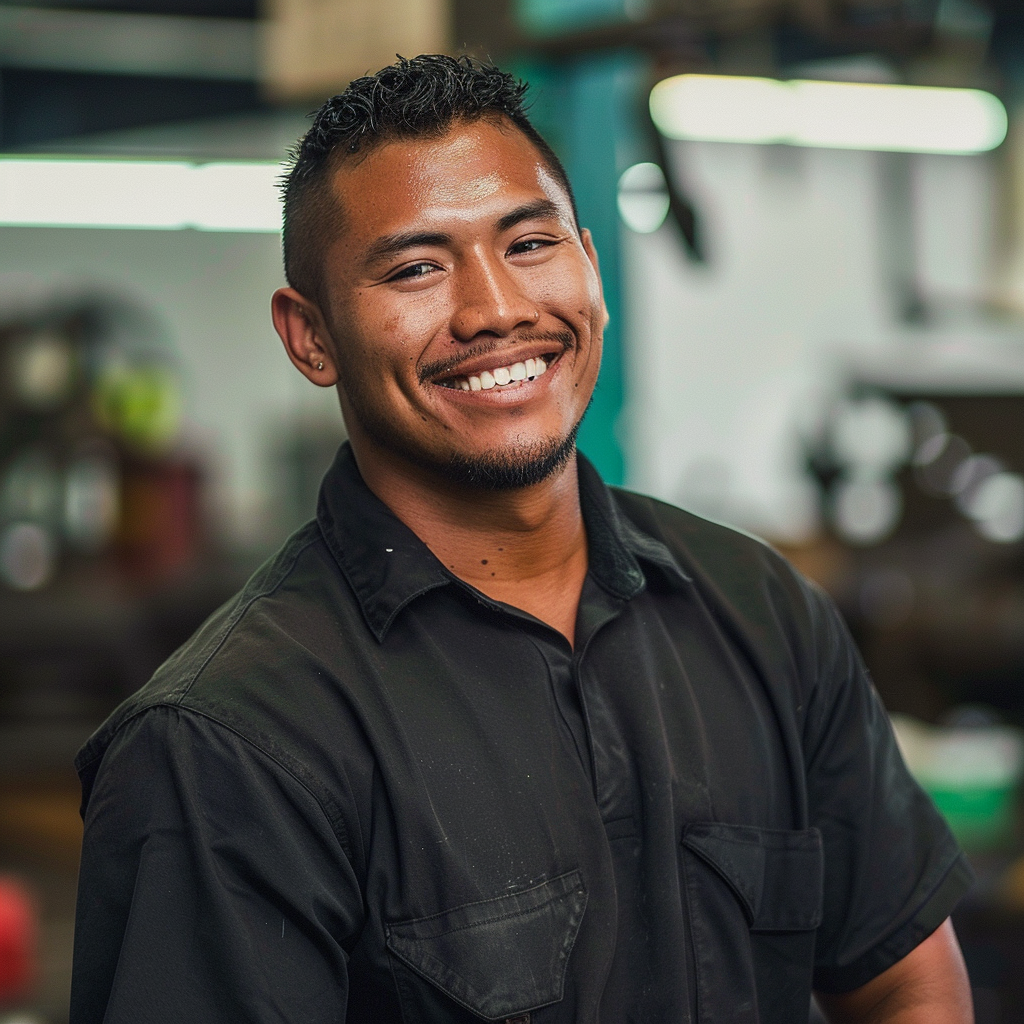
(47, 98)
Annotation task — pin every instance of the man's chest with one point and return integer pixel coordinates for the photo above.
(503, 730)
(527, 797)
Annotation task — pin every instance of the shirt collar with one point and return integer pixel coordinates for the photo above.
(388, 566)
(616, 545)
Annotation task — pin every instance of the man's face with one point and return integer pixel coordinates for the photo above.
(465, 309)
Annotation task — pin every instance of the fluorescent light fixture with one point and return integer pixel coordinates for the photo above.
(831, 115)
(153, 194)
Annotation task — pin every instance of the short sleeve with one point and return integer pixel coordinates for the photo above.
(212, 888)
(893, 871)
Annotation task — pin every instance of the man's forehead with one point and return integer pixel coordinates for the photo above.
(473, 165)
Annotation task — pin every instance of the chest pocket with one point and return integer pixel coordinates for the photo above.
(498, 959)
(755, 899)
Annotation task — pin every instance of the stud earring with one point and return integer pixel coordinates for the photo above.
(320, 365)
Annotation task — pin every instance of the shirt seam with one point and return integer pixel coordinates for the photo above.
(229, 627)
(337, 826)
(181, 691)
(894, 946)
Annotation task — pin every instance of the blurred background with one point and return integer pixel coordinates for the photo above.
(810, 219)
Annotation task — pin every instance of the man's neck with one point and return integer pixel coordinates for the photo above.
(525, 547)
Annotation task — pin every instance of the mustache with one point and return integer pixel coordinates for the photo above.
(444, 367)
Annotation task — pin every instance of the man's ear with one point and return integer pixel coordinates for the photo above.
(588, 248)
(305, 337)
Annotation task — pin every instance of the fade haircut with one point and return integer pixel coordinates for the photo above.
(418, 98)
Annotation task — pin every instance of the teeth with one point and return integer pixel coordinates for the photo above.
(530, 369)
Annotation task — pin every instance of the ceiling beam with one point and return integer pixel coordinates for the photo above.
(129, 44)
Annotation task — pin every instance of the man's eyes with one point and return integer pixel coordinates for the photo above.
(413, 271)
(531, 245)
(422, 269)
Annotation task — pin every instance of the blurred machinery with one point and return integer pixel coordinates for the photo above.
(89, 411)
(101, 525)
(925, 493)
(922, 499)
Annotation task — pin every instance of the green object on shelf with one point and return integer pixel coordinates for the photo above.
(139, 403)
(980, 817)
(971, 772)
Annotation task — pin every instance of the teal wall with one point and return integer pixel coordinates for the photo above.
(549, 16)
(588, 108)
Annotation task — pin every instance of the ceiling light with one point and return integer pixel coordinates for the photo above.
(643, 198)
(833, 115)
(153, 194)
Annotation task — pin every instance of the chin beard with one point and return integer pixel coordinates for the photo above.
(504, 469)
(511, 470)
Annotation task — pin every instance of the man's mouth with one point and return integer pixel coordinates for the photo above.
(500, 376)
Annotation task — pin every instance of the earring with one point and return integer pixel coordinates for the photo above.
(320, 365)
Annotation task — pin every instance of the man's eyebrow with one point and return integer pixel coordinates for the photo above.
(538, 208)
(388, 246)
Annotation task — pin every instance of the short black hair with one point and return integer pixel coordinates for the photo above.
(421, 97)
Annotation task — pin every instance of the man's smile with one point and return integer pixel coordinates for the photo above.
(502, 370)
(499, 376)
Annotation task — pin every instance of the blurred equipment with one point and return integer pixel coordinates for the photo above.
(101, 528)
(904, 446)
(925, 491)
(89, 415)
(101, 523)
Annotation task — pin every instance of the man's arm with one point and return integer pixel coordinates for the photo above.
(213, 889)
(928, 986)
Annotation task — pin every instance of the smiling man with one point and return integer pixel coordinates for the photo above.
(488, 740)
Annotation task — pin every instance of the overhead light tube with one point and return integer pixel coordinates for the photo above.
(832, 115)
(148, 194)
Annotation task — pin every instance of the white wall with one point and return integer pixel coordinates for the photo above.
(723, 361)
(727, 361)
(212, 292)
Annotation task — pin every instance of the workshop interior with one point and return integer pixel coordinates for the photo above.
(810, 222)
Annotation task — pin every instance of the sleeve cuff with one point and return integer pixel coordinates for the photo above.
(955, 884)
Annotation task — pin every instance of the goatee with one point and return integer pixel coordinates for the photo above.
(510, 470)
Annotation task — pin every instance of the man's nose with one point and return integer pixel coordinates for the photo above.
(490, 300)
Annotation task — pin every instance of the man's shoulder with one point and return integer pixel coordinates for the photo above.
(739, 576)
(703, 547)
(238, 645)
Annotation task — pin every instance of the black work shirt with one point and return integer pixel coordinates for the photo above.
(365, 791)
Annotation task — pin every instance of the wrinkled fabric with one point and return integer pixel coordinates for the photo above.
(366, 792)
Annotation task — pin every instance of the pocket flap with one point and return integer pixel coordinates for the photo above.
(499, 957)
(777, 875)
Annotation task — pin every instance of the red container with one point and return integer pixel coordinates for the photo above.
(19, 931)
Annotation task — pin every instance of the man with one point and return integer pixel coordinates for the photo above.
(487, 740)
